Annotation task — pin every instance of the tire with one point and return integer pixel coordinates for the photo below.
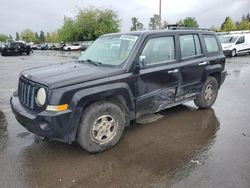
(97, 118)
(233, 53)
(69, 49)
(28, 52)
(208, 94)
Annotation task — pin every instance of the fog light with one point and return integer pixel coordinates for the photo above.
(44, 126)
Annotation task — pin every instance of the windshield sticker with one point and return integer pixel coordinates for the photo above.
(128, 37)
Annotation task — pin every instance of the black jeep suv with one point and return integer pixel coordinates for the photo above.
(119, 78)
(16, 48)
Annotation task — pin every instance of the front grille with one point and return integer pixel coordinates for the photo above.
(26, 93)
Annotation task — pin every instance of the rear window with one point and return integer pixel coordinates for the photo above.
(190, 45)
(211, 43)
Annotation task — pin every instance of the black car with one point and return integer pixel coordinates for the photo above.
(119, 78)
(16, 48)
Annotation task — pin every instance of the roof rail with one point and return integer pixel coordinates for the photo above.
(189, 28)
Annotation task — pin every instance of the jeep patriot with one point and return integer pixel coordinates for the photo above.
(119, 78)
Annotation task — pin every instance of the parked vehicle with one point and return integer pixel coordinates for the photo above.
(1, 47)
(72, 47)
(119, 78)
(16, 48)
(236, 43)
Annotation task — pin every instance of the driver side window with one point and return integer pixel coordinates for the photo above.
(159, 50)
(241, 40)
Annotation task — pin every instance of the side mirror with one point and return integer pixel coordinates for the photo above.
(141, 62)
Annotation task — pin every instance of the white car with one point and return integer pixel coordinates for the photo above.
(70, 47)
(234, 44)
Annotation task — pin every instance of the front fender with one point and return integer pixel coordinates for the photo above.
(85, 96)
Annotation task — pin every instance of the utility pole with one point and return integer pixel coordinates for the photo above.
(160, 15)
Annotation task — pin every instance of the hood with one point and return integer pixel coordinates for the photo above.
(226, 46)
(64, 74)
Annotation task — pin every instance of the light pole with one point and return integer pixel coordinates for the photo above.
(160, 15)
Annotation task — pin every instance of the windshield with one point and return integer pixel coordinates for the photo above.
(112, 50)
(228, 39)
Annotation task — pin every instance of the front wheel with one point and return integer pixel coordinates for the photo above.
(233, 53)
(208, 93)
(101, 127)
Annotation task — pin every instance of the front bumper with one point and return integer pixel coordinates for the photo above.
(227, 52)
(54, 125)
(223, 77)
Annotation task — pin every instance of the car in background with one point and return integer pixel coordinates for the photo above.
(72, 47)
(1, 47)
(16, 48)
(234, 44)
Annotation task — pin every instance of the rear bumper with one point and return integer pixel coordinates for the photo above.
(54, 125)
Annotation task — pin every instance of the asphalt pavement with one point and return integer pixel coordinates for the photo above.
(178, 147)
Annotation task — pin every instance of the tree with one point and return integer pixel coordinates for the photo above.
(188, 22)
(36, 38)
(154, 22)
(244, 24)
(42, 37)
(89, 24)
(248, 17)
(47, 37)
(27, 35)
(17, 36)
(54, 37)
(136, 25)
(3, 37)
(228, 25)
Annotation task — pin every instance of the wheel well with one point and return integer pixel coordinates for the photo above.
(117, 99)
(217, 76)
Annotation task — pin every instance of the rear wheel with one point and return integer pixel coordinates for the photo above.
(101, 127)
(208, 93)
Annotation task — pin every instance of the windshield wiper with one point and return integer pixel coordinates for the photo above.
(96, 63)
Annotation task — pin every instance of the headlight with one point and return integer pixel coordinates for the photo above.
(41, 96)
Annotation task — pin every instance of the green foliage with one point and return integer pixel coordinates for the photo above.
(188, 22)
(228, 25)
(54, 38)
(27, 35)
(136, 25)
(154, 22)
(244, 24)
(89, 24)
(3, 37)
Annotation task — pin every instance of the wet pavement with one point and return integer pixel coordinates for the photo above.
(182, 147)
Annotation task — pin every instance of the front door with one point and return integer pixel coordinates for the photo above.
(241, 45)
(157, 82)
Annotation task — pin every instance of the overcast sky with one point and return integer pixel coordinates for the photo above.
(47, 15)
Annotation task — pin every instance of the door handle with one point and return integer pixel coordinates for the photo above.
(203, 63)
(173, 71)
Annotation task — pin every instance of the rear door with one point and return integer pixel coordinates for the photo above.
(157, 82)
(192, 66)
